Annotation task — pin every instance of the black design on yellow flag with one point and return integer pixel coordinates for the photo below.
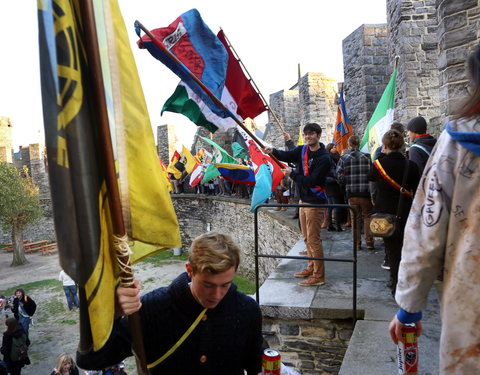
(76, 173)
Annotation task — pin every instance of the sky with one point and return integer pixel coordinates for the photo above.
(271, 37)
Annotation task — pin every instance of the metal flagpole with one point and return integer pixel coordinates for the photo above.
(253, 82)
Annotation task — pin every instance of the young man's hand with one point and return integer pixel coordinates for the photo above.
(395, 329)
(128, 299)
(286, 136)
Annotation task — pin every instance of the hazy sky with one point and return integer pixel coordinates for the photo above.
(271, 37)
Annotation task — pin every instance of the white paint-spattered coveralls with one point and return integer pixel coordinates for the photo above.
(443, 229)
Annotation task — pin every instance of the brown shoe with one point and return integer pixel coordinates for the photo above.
(304, 252)
(312, 281)
(370, 246)
(304, 273)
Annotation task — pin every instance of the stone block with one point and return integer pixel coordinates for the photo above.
(455, 21)
(305, 356)
(289, 329)
(458, 37)
(345, 334)
(312, 345)
(448, 8)
(429, 46)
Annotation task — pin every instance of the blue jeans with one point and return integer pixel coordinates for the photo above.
(71, 294)
(25, 323)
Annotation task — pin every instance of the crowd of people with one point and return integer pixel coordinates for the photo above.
(431, 187)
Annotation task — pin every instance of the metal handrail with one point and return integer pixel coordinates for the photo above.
(353, 260)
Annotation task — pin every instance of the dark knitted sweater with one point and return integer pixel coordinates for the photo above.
(228, 341)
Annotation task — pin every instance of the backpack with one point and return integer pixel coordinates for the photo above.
(19, 350)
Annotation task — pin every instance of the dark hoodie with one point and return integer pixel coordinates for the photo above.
(421, 149)
(319, 166)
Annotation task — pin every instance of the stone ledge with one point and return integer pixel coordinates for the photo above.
(372, 352)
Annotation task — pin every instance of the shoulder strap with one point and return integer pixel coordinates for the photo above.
(402, 195)
(421, 148)
(179, 342)
(391, 181)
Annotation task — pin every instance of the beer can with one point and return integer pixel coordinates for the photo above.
(407, 352)
(271, 362)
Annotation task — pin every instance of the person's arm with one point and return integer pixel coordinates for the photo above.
(426, 233)
(118, 345)
(116, 349)
(6, 346)
(253, 361)
(290, 156)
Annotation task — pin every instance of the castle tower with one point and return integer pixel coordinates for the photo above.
(166, 142)
(366, 72)
(6, 144)
(312, 99)
(318, 96)
(284, 104)
(412, 28)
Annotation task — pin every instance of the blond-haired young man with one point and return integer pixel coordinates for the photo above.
(227, 339)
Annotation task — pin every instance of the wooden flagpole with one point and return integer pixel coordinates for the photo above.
(253, 82)
(96, 78)
(204, 88)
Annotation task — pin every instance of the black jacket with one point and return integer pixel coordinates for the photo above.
(420, 151)
(386, 197)
(319, 165)
(29, 306)
(7, 348)
(228, 341)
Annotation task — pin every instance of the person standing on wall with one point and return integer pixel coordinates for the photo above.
(312, 167)
(422, 143)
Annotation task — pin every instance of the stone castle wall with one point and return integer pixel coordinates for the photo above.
(199, 214)
(412, 27)
(318, 100)
(458, 34)
(366, 72)
(285, 105)
(166, 142)
(313, 347)
(313, 99)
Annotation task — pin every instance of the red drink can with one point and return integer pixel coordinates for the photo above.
(407, 353)
(271, 362)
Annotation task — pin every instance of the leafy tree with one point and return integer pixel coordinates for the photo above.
(19, 206)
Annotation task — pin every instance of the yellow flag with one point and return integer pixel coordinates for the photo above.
(171, 166)
(190, 161)
(300, 138)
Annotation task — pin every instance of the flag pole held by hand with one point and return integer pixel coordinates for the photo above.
(174, 58)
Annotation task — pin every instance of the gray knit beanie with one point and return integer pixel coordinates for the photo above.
(417, 125)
